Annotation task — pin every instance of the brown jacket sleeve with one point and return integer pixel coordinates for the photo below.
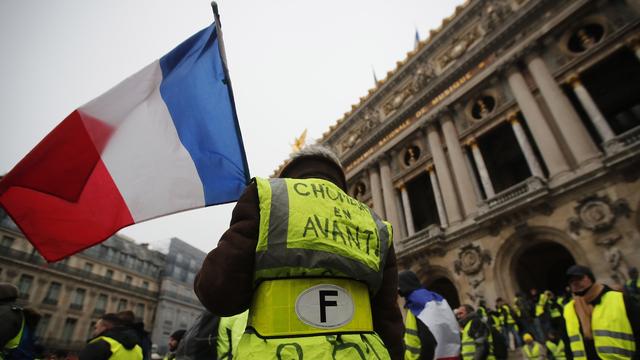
(224, 284)
(387, 318)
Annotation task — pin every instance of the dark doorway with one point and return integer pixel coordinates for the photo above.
(504, 159)
(445, 287)
(543, 267)
(422, 201)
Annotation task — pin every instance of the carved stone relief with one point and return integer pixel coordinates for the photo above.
(365, 123)
(397, 99)
(422, 76)
(470, 262)
(495, 12)
(598, 214)
(459, 46)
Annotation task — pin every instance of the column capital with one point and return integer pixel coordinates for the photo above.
(574, 80)
(512, 118)
(633, 42)
(471, 142)
(430, 168)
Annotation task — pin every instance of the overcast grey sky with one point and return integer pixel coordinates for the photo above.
(293, 64)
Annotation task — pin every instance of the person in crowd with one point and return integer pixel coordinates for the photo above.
(524, 314)
(111, 339)
(482, 311)
(555, 346)
(174, 342)
(508, 321)
(554, 309)
(420, 342)
(476, 336)
(17, 326)
(601, 323)
(301, 231)
(537, 302)
(212, 335)
(632, 286)
(129, 320)
(533, 350)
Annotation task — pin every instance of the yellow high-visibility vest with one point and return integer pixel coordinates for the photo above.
(118, 351)
(612, 333)
(557, 350)
(532, 352)
(320, 253)
(230, 330)
(468, 345)
(412, 343)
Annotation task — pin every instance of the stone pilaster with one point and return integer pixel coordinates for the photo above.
(482, 168)
(460, 171)
(542, 134)
(435, 187)
(406, 205)
(376, 190)
(596, 117)
(444, 175)
(388, 193)
(567, 120)
(525, 146)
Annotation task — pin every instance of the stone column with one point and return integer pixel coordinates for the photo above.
(474, 178)
(376, 190)
(406, 205)
(573, 131)
(591, 108)
(388, 193)
(482, 168)
(442, 215)
(527, 150)
(460, 171)
(444, 176)
(542, 134)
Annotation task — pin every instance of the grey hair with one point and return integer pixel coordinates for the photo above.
(319, 151)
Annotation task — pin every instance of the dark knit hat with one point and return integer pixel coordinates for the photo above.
(8, 292)
(178, 334)
(320, 153)
(580, 270)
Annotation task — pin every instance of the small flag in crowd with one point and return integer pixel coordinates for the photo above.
(434, 311)
(164, 140)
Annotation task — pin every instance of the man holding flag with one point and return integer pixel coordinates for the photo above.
(431, 328)
(164, 140)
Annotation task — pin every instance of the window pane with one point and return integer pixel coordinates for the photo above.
(53, 293)
(101, 304)
(69, 327)
(24, 285)
(122, 305)
(88, 267)
(139, 311)
(109, 274)
(43, 324)
(7, 241)
(78, 299)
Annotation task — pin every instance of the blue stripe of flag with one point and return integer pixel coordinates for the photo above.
(199, 101)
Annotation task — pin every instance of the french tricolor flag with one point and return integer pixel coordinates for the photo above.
(434, 311)
(162, 141)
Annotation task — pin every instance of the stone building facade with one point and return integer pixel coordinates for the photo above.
(178, 307)
(504, 148)
(72, 294)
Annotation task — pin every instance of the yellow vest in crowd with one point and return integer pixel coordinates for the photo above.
(230, 330)
(468, 345)
(532, 352)
(119, 352)
(320, 256)
(412, 343)
(557, 350)
(610, 327)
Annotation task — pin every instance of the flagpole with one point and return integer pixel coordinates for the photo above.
(227, 80)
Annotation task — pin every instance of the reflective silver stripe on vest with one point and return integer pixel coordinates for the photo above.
(613, 334)
(278, 255)
(412, 349)
(411, 332)
(578, 354)
(574, 338)
(615, 350)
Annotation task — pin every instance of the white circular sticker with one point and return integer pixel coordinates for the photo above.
(325, 306)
